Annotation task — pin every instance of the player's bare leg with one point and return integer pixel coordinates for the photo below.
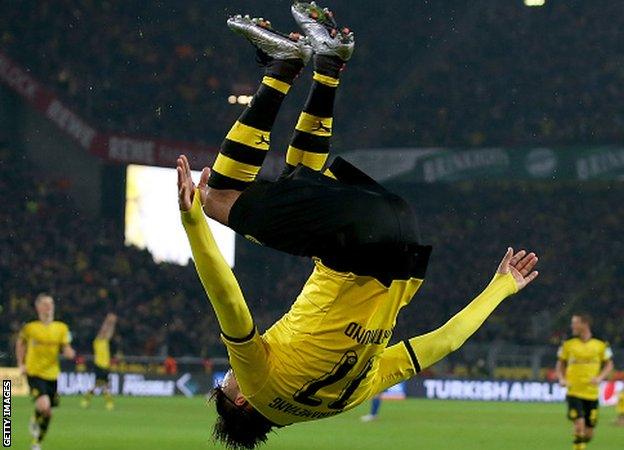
(584, 430)
(374, 411)
(579, 434)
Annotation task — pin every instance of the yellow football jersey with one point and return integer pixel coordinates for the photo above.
(44, 343)
(620, 405)
(101, 353)
(325, 355)
(584, 361)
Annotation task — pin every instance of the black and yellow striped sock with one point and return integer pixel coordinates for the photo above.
(579, 443)
(246, 145)
(44, 423)
(311, 140)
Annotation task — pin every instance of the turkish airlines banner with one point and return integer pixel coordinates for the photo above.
(501, 390)
(112, 147)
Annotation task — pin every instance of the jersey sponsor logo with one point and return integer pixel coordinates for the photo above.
(44, 343)
(279, 404)
(364, 336)
(583, 360)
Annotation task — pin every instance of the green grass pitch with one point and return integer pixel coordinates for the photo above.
(180, 423)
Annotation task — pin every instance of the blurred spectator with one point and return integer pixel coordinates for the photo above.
(171, 365)
(448, 73)
(208, 365)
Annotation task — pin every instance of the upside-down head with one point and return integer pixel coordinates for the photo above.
(239, 425)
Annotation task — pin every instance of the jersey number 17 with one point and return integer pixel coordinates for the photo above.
(305, 395)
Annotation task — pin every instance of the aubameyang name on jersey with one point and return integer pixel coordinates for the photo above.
(280, 404)
(367, 337)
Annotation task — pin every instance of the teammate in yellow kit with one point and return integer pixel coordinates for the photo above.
(583, 363)
(101, 360)
(620, 410)
(329, 352)
(37, 350)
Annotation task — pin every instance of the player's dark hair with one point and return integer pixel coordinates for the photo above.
(585, 318)
(238, 428)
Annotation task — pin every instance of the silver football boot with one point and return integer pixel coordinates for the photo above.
(320, 26)
(275, 44)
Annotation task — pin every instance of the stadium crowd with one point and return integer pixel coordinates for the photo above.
(548, 75)
(167, 71)
(50, 246)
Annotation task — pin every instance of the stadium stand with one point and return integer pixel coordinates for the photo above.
(50, 246)
(167, 70)
(163, 70)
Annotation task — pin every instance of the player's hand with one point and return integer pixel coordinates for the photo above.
(596, 381)
(186, 187)
(563, 383)
(22, 369)
(520, 265)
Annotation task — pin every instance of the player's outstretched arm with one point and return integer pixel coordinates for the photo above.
(402, 361)
(108, 327)
(514, 273)
(216, 276)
